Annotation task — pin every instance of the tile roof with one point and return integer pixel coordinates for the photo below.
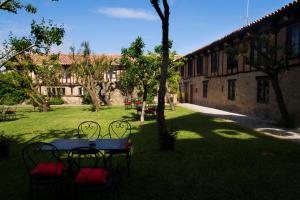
(66, 59)
(293, 5)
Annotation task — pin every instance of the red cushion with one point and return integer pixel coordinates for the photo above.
(128, 103)
(138, 102)
(91, 176)
(48, 169)
(10, 112)
(149, 111)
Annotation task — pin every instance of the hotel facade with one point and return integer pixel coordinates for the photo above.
(212, 78)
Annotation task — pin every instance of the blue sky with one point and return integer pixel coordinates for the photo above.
(110, 25)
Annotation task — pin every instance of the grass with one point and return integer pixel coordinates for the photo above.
(213, 159)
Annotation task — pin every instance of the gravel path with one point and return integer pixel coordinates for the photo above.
(263, 126)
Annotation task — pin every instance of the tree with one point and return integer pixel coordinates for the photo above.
(42, 37)
(47, 73)
(13, 88)
(90, 69)
(141, 70)
(267, 57)
(167, 141)
(125, 85)
(173, 77)
(18, 51)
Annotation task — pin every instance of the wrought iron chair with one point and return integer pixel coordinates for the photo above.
(43, 165)
(89, 130)
(89, 172)
(2, 113)
(127, 104)
(121, 129)
(11, 112)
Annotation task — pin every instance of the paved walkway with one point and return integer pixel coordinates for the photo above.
(263, 126)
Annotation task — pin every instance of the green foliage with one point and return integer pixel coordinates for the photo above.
(56, 101)
(141, 70)
(87, 99)
(42, 37)
(13, 88)
(91, 70)
(14, 5)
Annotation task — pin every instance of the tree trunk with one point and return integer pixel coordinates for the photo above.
(94, 98)
(166, 140)
(171, 102)
(144, 104)
(285, 117)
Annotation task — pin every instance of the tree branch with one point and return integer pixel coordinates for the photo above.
(18, 53)
(2, 4)
(157, 8)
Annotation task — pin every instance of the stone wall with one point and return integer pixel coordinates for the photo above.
(246, 94)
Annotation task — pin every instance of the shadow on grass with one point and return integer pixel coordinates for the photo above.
(213, 159)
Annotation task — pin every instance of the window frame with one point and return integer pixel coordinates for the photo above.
(200, 65)
(289, 38)
(232, 63)
(231, 91)
(265, 89)
(190, 68)
(205, 89)
(215, 62)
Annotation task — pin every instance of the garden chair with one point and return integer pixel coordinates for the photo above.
(90, 130)
(43, 167)
(11, 112)
(2, 113)
(89, 172)
(150, 111)
(128, 104)
(121, 129)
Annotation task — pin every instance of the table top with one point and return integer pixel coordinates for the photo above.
(99, 144)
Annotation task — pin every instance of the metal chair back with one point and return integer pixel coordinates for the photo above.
(119, 129)
(89, 130)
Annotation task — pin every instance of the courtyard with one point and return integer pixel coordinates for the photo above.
(213, 159)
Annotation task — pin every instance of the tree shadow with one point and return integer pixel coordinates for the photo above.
(211, 155)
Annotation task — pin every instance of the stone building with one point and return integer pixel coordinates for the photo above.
(70, 88)
(213, 78)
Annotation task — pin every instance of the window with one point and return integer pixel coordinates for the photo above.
(200, 65)
(190, 68)
(182, 71)
(80, 91)
(294, 40)
(262, 89)
(214, 62)
(258, 50)
(232, 63)
(231, 89)
(62, 91)
(205, 88)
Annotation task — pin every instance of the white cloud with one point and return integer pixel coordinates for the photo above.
(127, 13)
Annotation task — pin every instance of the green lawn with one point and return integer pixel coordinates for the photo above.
(213, 159)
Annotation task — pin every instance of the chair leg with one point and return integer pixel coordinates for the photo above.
(128, 160)
(30, 191)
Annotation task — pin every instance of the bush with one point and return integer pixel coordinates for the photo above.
(4, 145)
(56, 101)
(13, 88)
(86, 99)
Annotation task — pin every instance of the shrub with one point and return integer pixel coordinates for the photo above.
(13, 88)
(86, 99)
(56, 101)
